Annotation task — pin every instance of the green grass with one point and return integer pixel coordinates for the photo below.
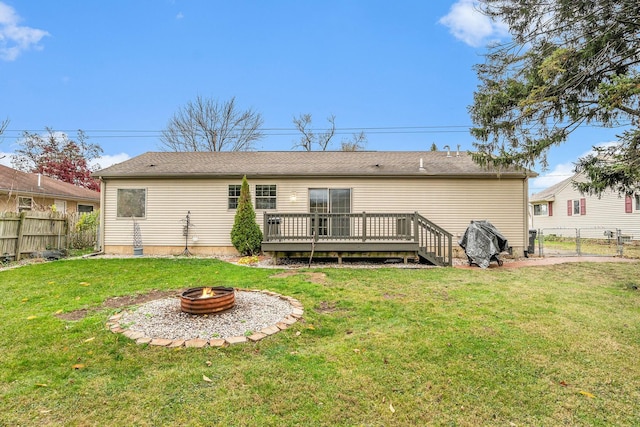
(553, 345)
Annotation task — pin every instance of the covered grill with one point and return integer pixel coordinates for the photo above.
(482, 242)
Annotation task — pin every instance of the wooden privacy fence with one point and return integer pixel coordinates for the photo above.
(27, 232)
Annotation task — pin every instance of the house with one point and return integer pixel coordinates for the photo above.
(363, 202)
(21, 191)
(562, 210)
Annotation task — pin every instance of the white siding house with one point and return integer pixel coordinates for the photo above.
(449, 190)
(561, 210)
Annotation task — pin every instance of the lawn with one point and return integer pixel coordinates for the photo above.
(564, 245)
(554, 345)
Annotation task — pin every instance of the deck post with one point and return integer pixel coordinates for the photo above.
(316, 227)
(265, 226)
(416, 230)
(364, 226)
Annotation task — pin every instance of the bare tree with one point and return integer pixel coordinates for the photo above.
(357, 142)
(206, 124)
(309, 140)
(3, 127)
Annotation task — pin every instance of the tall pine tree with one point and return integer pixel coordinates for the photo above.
(246, 235)
(569, 63)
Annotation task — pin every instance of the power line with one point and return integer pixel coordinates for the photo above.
(271, 131)
(137, 133)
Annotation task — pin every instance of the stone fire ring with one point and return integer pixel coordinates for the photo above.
(113, 324)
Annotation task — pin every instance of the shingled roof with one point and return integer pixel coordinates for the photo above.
(302, 164)
(17, 182)
(549, 193)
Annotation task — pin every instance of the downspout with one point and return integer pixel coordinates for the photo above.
(525, 209)
(103, 190)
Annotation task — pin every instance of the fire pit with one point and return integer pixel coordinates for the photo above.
(205, 300)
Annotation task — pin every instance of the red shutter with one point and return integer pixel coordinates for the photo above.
(628, 204)
(550, 209)
(569, 207)
(583, 206)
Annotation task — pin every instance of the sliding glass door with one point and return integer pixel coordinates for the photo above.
(333, 201)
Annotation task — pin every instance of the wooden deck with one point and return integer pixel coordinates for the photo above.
(381, 235)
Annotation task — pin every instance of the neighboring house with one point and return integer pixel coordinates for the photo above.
(561, 210)
(158, 190)
(21, 191)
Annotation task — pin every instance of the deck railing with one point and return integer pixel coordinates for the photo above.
(432, 242)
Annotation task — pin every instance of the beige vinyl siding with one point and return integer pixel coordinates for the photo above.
(450, 203)
(604, 213)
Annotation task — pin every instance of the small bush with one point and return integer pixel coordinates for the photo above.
(83, 229)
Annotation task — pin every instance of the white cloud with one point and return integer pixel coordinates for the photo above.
(5, 159)
(109, 160)
(558, 173)
(179, 15)
(468, 24)
(14, 38)
(561, 171)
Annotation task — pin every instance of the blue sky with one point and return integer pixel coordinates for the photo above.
(119, 69)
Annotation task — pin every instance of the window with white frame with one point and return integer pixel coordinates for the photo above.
(577, 207)
(61, 205)
(234, 196)
(85, 208)
(637, 202)
(540, 209)
(25, 204)
(132, 202)
(266, 196)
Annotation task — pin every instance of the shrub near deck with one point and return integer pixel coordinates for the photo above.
(551, 345)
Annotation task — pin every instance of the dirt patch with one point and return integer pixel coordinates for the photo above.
(316, 277)
(73, 315)
(326, 307)
(118, 302)
(313, 277)
(285, 274)
(127, 300)
(393, 296)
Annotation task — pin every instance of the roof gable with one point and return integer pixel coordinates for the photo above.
(549, 193)
(302, 164)
(13, 180)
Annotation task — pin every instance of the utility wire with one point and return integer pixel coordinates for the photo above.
(275, 131)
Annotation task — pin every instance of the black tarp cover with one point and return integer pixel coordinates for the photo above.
(482, 241)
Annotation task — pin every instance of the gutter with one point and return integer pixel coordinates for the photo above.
(512, 175)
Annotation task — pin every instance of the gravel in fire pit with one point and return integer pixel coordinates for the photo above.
(163, 318)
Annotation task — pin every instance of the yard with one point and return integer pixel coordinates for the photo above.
(607, 247)
(555, 345)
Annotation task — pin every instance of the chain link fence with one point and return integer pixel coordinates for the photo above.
(587, 241)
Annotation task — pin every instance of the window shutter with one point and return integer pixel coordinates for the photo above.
(550, 210)
(628, 204)
(583, 206)
(569, 207)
